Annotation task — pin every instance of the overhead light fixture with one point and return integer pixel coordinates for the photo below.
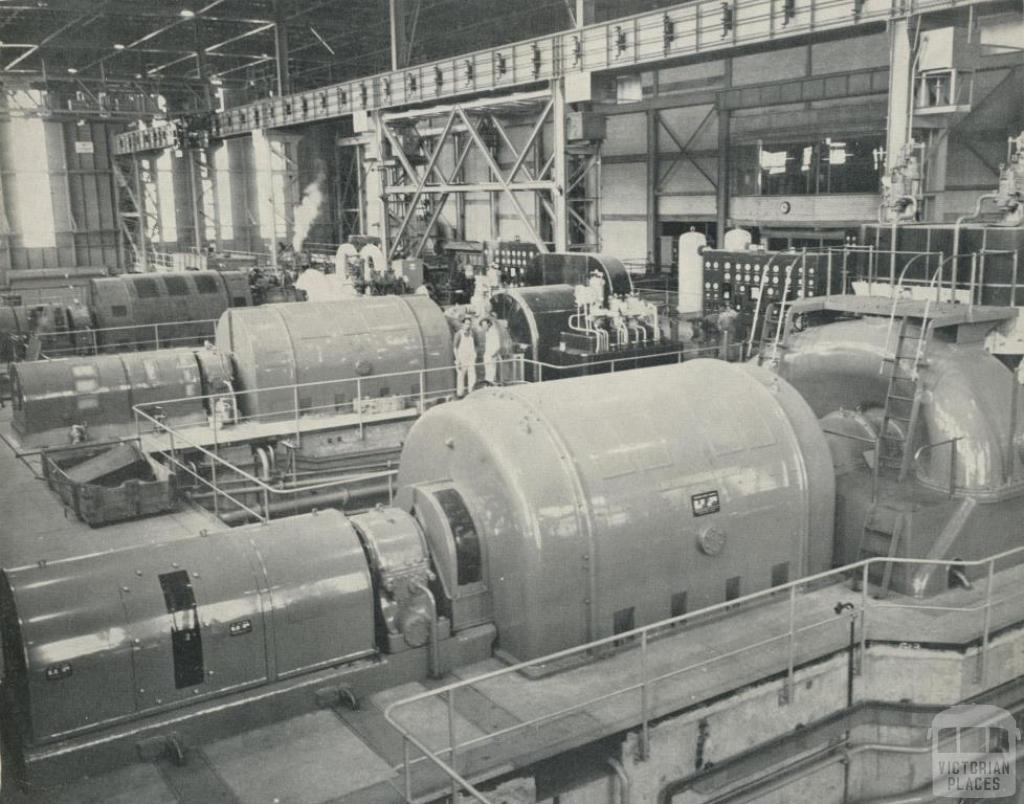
(138, 76)
(217, 81)
(72, 70)
(118, 46)
(187, 13)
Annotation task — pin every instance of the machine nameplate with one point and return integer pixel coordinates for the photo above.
(57, 672)
(705, 503)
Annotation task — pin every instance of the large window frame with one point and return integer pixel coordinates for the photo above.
(820, 165)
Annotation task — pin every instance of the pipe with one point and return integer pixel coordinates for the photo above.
(434, 652)
(298, 482)
(304, 504)
(287, 487)
(837, 366)
(1012, 432)
(625, 791)
(976, 213)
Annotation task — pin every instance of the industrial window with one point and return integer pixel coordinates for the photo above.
(163, 186)
(780, 574)
(467, 543)
(271, 187)
(33, 197)
(732, 588)
(146, 288)
(186, 640)
(678, 604)
(176, 285)
(832, 165)
(205, 284)
(118, 310)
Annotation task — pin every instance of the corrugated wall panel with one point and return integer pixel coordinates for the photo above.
(856, 53)
(626, 134)
(624, 190)
(626, 240)
(777, 65)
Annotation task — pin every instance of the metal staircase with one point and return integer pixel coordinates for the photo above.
(903, 396)
(884, 530)
(773, 325)
(885, 527)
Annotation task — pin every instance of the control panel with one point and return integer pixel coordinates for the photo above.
(513, 258)
(746, 280)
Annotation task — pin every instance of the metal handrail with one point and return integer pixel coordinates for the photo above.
(679, 354)
(267, 490)
(155, 326)
(644, 633)
(952, 458)
(177, 438)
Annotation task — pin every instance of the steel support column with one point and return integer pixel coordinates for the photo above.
(722, 188)
(653, 183)
(5, 232)
(195, 198)
(398, 12)
(585, 12)
(898, 130)
(427, 167)
(724, 162)
(560, 224)
(284, 81)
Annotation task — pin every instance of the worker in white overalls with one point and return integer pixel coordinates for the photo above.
(465, 358)
(492, 349)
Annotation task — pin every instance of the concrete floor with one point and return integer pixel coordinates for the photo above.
(35, 526)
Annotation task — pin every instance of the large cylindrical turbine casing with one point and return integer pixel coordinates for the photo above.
(99, 391)
(344, 341)
(171, 299)
(109, 637)
(536, 316)
(603, 503)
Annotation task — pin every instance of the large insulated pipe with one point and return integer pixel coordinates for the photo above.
(303, 504)
(966, 395)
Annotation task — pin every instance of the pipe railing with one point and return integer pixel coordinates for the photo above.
(177, 441)
(149, 414)
(446, 758)
(95, 339)
(953, 442)
(960, 285)
(151, 419)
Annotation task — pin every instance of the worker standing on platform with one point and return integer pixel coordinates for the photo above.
(492, 348)
(465, 358)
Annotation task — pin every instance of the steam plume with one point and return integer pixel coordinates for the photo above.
(307, 211)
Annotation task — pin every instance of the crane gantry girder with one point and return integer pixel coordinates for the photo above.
(677, 32)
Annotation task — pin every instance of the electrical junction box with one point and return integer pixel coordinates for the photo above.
(581, 126)
(947, 49)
